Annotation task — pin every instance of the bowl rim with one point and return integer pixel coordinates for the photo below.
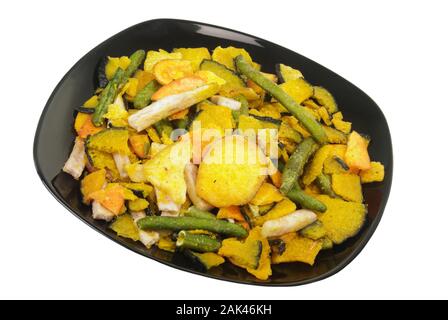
(334, 270)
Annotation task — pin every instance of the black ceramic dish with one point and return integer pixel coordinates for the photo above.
(54, 137)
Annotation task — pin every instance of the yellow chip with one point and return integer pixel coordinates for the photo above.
(231, 172)
(348, 186)
(225, 56)
(152, 57)
(297, 249)
(342, 219)
(374, 174)
(166, 170)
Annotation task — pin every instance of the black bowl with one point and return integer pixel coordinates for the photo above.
(54, 138)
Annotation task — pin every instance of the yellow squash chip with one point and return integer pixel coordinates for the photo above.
(210, 77)
(374, 174)
(114, 63)
(251, 254)
(231, 172)
(225, 56)
(348, 186)
(110, 140)
(263, 271)
(194, 55)
(316, 165)
(342, 219)
(297, 249)
(215, 117)
(124, 226)
(267, 194)
(92, 182)
(209, 259)
(299, 89)
(152, 57)
(281, 209)
(343, 126)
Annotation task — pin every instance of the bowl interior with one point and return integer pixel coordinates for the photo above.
(54, 136)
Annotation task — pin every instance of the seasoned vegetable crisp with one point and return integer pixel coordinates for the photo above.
(198, 152)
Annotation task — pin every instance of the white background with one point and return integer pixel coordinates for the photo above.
(394, 50)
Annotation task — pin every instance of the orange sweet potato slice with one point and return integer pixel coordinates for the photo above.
(178, 86)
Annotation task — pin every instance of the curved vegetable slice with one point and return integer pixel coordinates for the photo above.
(231, 78)
(225, 56)
(170, 105)
(298, 89)
(113, 140)
(166, 71)
(140, 145)
(374, 174)
(232, 212)
(91, 183)
(281, 209)
(152, 57)
(178, 86)
(314, 231)
(267, 194)
(243, 254)
(348, 186)
(111, 198)
(316, 166)
(342, 219)
(263, 270)
(102, 160)
(325, 99)
(113, 63)
(286, 73)
(208, 259)
(124, 226)
(288, 102)
(194, 55)
(297, 249)
(357, 156)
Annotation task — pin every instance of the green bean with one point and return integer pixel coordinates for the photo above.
(107, 97)
(191, 223)
(197, 242)
(294, 167)
(197, 213)
(143, 97)
(110, 92)
(324, 184)
(298, 196)
(244, 110)
(314, 127)
(136, 60)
